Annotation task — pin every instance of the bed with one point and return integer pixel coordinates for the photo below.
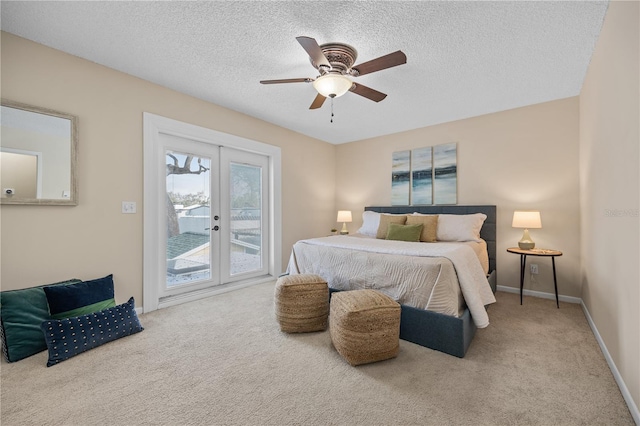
(456, 304)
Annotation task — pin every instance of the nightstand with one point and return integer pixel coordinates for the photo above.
(536, 252)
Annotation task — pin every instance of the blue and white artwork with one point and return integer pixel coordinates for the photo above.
(400, 178)
(421, 171)
(445, 183)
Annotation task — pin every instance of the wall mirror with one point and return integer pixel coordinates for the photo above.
(38, 152)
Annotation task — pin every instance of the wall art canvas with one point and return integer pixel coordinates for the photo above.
(421, 174)
(445, 182)
(400, 178)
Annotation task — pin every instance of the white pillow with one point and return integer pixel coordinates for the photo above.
(370, 223)
(460, 227)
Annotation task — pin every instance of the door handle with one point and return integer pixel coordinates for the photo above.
(216, 228)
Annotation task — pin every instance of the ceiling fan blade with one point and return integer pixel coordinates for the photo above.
(367, 92)
(287, 80)
(317, 102)
(313, 49)
(381, 63)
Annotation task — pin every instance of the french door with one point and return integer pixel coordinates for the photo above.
(191, 215)
(210, 215)
(216, 215)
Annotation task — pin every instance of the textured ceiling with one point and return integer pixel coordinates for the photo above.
(463, 58)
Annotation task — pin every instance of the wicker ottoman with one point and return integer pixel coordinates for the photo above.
(302, 303)
(364, 326)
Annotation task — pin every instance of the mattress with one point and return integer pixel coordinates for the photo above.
(440, 277)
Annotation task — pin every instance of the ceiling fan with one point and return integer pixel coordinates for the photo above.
(334, 62)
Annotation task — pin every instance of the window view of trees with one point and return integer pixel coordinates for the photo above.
(183, 164)
(189, 217)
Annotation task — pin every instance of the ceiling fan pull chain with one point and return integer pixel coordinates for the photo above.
(332, 110)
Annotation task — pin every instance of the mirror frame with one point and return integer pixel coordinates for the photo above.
(73, 154)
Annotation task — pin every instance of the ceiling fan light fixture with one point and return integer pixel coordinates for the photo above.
(332, 85)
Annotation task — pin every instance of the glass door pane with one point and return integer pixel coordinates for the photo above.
(244, 196)
(245, 218)
(188, 218)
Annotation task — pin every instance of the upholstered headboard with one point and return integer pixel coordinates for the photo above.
(487, 233)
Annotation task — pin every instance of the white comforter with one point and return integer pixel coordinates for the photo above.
(473, 282)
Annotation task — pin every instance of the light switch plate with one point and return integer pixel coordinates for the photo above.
(129, 207)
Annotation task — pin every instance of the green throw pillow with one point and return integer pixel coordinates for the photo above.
(22, 312)
(404, 232)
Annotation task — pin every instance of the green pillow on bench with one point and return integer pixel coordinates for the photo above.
(22, 312)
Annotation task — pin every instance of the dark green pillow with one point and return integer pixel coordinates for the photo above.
(404, 232)
(22, 312)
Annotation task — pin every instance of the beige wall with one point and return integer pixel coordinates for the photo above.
(42, 244)
(610, 190)
(521, 159)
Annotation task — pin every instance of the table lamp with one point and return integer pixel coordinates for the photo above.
(344, 216)
(526, 220)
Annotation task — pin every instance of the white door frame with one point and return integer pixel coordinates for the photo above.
(154, 125)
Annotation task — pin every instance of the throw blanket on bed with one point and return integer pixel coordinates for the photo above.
(472, 280)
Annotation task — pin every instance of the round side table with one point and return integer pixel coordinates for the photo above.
(536, 252)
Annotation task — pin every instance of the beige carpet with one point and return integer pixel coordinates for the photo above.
(223, 361)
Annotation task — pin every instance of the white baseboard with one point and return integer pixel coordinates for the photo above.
(633, 408)
(540, 294)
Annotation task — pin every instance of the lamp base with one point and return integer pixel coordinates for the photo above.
(525, 242)
(344, 230)
(526, 245)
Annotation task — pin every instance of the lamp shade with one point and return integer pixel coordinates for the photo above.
(526, 220)
(344, 216)
(332, 85)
